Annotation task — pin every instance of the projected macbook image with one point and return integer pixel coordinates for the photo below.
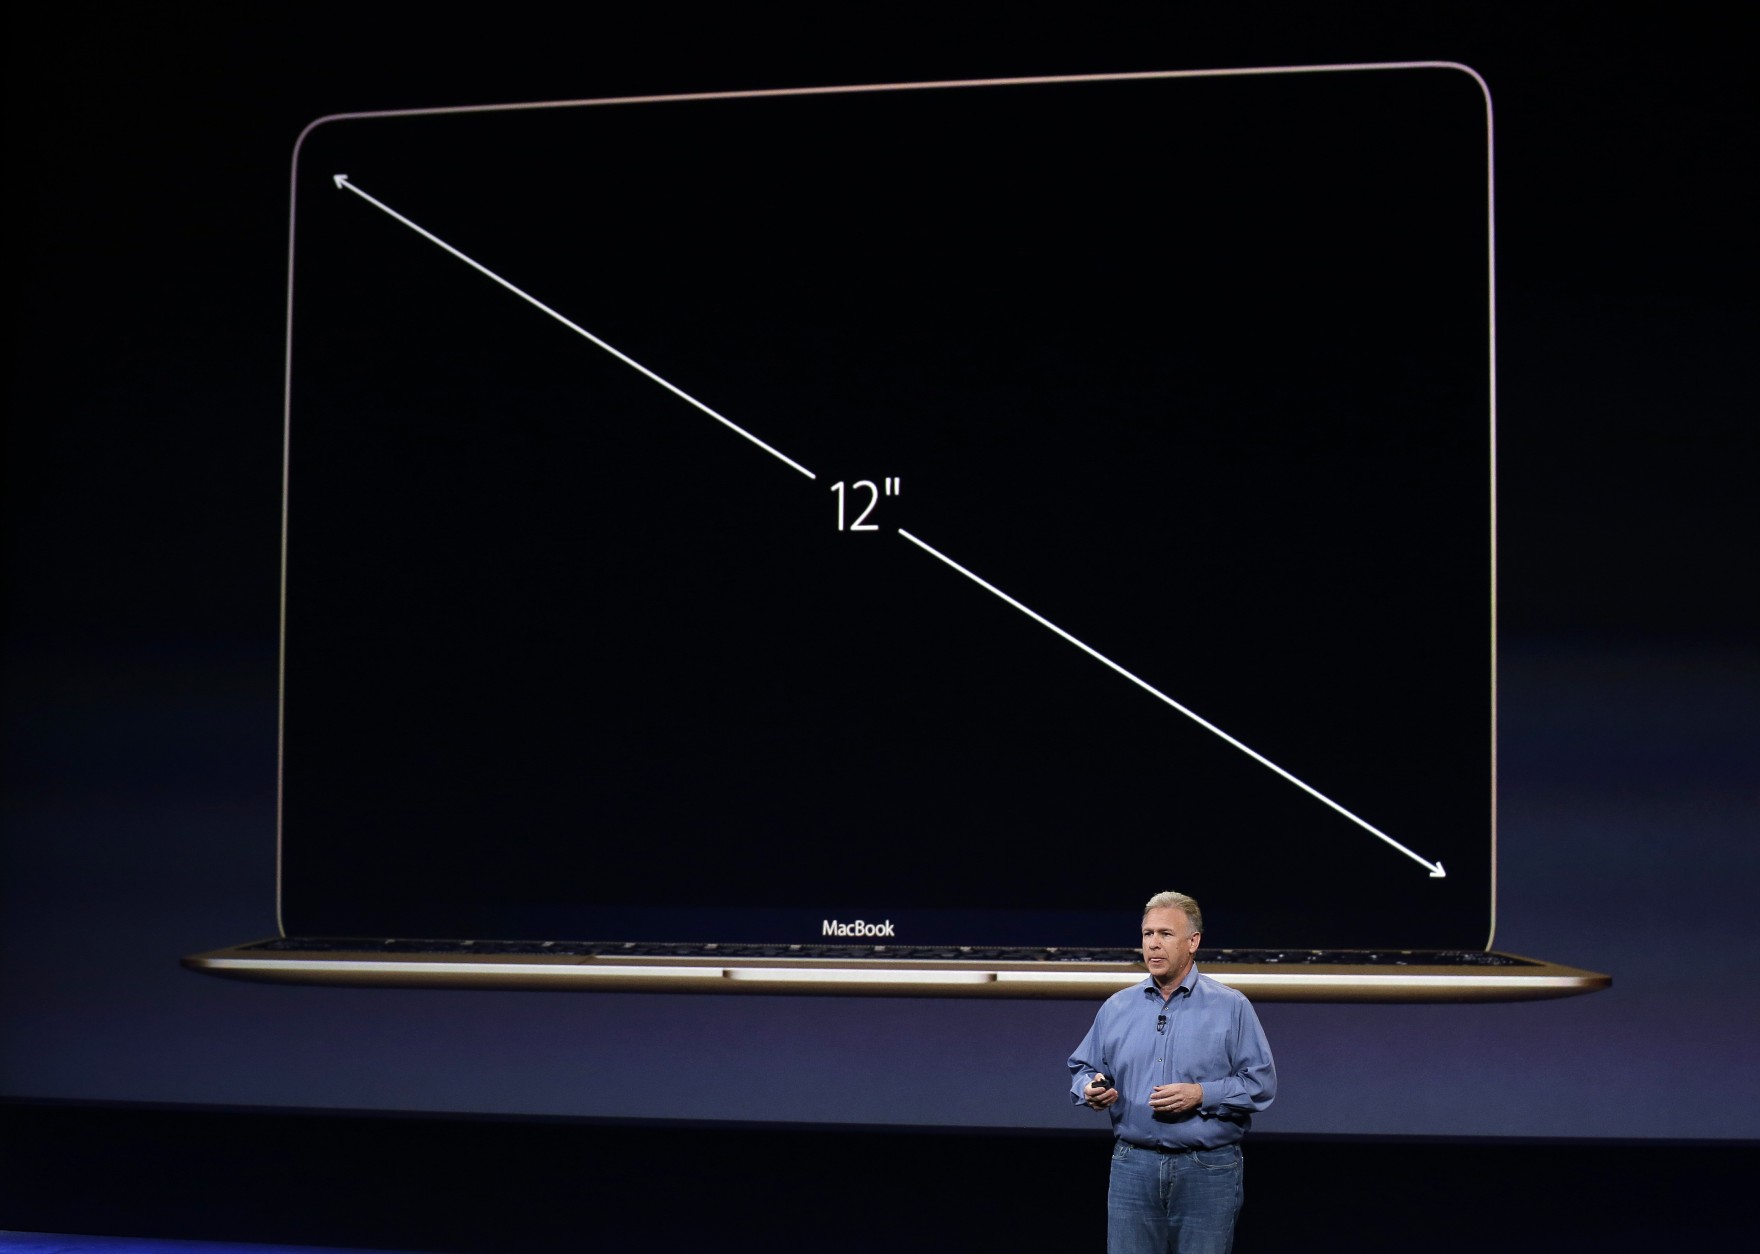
(865, 540)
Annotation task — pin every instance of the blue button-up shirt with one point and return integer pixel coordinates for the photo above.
(1205, 1033)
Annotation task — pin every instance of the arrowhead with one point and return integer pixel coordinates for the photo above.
(341, 180)
(1438, 873)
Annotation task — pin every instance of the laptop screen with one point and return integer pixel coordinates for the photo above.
(933, 515)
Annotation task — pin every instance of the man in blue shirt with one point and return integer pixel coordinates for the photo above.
(1181, 1064)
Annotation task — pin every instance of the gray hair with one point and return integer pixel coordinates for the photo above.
(1176, 901)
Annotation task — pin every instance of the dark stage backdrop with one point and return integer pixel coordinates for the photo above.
(149, 154)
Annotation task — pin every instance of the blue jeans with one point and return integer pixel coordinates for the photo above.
(1183, 1202)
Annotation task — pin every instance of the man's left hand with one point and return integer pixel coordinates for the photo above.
(1176, 1099)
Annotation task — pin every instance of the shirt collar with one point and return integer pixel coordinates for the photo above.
(1184, 986)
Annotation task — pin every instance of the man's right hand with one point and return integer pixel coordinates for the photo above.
(1098, 1096)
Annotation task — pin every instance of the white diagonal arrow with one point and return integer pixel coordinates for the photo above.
(1435, 868)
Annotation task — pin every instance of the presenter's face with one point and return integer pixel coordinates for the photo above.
(1169, 945)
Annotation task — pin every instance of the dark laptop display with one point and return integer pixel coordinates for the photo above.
(929, 517)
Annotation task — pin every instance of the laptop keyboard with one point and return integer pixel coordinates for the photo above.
(384, 947)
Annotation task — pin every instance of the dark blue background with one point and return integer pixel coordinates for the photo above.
(148, 156)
